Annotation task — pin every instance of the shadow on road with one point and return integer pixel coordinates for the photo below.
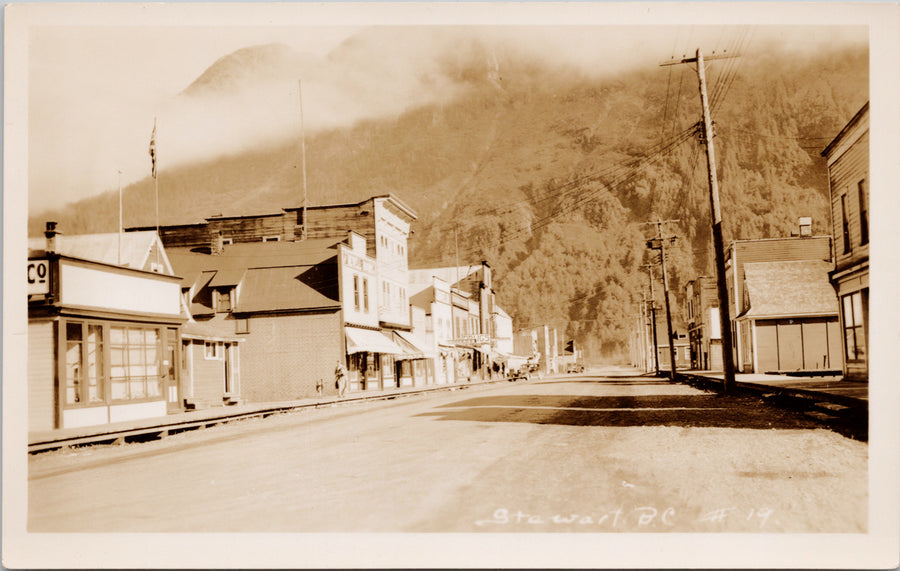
(703, 410)
(631, 381)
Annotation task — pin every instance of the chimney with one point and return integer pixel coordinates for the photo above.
(217, 244)
(486, 271)
(805, 226)
(50, 233)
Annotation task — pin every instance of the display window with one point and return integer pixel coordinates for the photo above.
(106, 363)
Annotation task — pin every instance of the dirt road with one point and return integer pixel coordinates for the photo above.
(574, 454)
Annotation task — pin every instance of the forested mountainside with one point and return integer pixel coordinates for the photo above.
(547, 173)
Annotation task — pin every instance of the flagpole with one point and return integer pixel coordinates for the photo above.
(303, 155)
(155, 156)
(120, 218)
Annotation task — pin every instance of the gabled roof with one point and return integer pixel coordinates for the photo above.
(789, 289)
(194, 330)
(285, 289)
(135, 252)
(423, 298)
(273, 276)
(237, 258)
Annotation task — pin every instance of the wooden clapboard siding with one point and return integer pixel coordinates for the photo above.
(185, 236)
(208, 374)
(848, 164)
(336, 221)
(247, 228)
(41, 375)
(845, 175)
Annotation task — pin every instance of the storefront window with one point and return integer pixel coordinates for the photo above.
(854, 327)
(95, 363)
(134, 363)
(74, 361)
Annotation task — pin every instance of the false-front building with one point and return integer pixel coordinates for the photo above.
(848, 174)
(104, 317)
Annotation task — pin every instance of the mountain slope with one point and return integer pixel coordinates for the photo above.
(546, 173)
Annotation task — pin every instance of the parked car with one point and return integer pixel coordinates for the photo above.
(574, 368)
(523, 373)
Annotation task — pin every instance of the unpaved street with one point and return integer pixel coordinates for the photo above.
(585, 453)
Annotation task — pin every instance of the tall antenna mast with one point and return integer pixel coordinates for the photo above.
(120, 218)
(303, 155)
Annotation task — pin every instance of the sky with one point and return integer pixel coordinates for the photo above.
(97, 83)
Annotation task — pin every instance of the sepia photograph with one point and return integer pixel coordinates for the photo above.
(330, 285)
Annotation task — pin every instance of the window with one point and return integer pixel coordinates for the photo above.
(271, 238)
(213, 350)
(74, 362)
(366, 294)
(242, 325)
(356, 292)
(95, 368)
(226, 241)
(223, 300)
(84, 363)
(855, 310)
(863, 195)
(106, 363)
(845, 224)
(134, 363)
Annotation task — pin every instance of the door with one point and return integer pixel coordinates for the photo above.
(815, 346)
(790, 346)
(766, 346)
(170, 371)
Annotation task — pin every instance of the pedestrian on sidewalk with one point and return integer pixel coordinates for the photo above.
(340, 379)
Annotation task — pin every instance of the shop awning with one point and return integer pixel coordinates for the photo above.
(410, 349)
(363, 340)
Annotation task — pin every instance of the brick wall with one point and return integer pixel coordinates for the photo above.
(283, 356)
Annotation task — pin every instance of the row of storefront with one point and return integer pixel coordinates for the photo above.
(248, 309)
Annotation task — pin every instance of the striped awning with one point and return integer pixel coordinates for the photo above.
(410, 350)
(365, 340)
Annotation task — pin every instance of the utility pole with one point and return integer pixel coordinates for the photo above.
(659, 243)
(652, 303)
(718, 241)
(644, 354)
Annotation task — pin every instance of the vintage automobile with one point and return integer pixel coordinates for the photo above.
(575, 368)
(523, 373)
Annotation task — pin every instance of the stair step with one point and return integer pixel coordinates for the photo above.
(195, 404)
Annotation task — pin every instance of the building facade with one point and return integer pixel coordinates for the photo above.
(848, 174)
(361, 294)
(790, 312)
(104, 338)
(803, 247)
(701, 314)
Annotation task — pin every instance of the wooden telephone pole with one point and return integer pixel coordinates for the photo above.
(652, 303)
(718, 241)
(659, 243)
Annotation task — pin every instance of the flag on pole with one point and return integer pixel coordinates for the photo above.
(153, 149)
